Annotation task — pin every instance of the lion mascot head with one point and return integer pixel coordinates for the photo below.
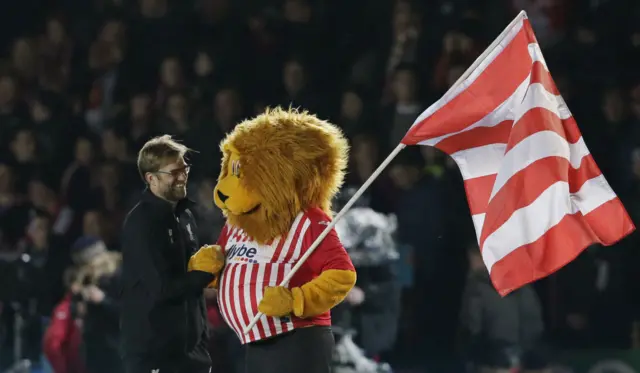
(276, 165)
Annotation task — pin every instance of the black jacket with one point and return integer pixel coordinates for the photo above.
(163, 320)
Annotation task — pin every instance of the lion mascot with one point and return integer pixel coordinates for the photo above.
(280, 171)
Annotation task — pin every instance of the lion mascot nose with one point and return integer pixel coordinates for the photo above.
(223, 197)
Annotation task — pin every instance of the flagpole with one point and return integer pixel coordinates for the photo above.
(332, 224)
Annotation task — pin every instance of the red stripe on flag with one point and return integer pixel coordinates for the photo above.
(478, 192)
(492, 87)
(568, 239)
(611, 224)
(501, 132)
(540, 75)
(531, 37)
(536, 120)
(479, 136)
(539, 119)
(525, 187)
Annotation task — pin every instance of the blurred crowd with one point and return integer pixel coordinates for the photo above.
(84, 83)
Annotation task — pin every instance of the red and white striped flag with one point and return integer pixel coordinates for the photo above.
(536, 195)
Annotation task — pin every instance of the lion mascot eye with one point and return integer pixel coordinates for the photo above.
(235, 168)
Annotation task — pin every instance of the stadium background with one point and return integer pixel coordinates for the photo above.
(83, 83)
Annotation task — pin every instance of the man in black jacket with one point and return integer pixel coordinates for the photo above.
(163, 321)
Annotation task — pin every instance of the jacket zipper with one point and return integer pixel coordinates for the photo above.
(185, 303)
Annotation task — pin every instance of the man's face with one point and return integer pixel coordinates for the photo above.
(170, 72)
(294, 77)
(613, 106)
(140, 106)
(170, 181)
(177, 107)
(6, 178)
(404, 176)
(40, 112)
(38, 229)
(91, 225)
(39, 194)
(7, 90)
(226, 108)
(203, 64)
(404, 86)
(84, 151)
(351, 105)
(476, 263)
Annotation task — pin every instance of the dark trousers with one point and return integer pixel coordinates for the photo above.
(198, 361)
(141, 369)
(304, 350)
(138, 366)
(101, 357)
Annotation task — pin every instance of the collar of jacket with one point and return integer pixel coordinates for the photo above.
(164, 206)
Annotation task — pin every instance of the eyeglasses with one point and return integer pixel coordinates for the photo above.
(177, 172)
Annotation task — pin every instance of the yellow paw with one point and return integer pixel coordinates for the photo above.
(208, 259)
(277, 301)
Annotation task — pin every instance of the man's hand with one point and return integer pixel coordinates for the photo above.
(210, 294)
(208, 259)
(277, 301)
(93, 294)
(76, 288)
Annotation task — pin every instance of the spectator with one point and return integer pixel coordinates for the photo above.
(79, 176)
(172, 80)
(497, 325)
(24, 63)
(13, 110)
(141, 119)
(297, 87)
(63, 337)
(206, 73)
(99, 279)
(24, 153)
(398, 116)
(14, 210)
(352, 116)
(48, 261)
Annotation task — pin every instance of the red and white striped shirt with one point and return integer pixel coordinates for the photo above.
(250, 267)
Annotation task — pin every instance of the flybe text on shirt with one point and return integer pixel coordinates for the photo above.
(241, 253)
